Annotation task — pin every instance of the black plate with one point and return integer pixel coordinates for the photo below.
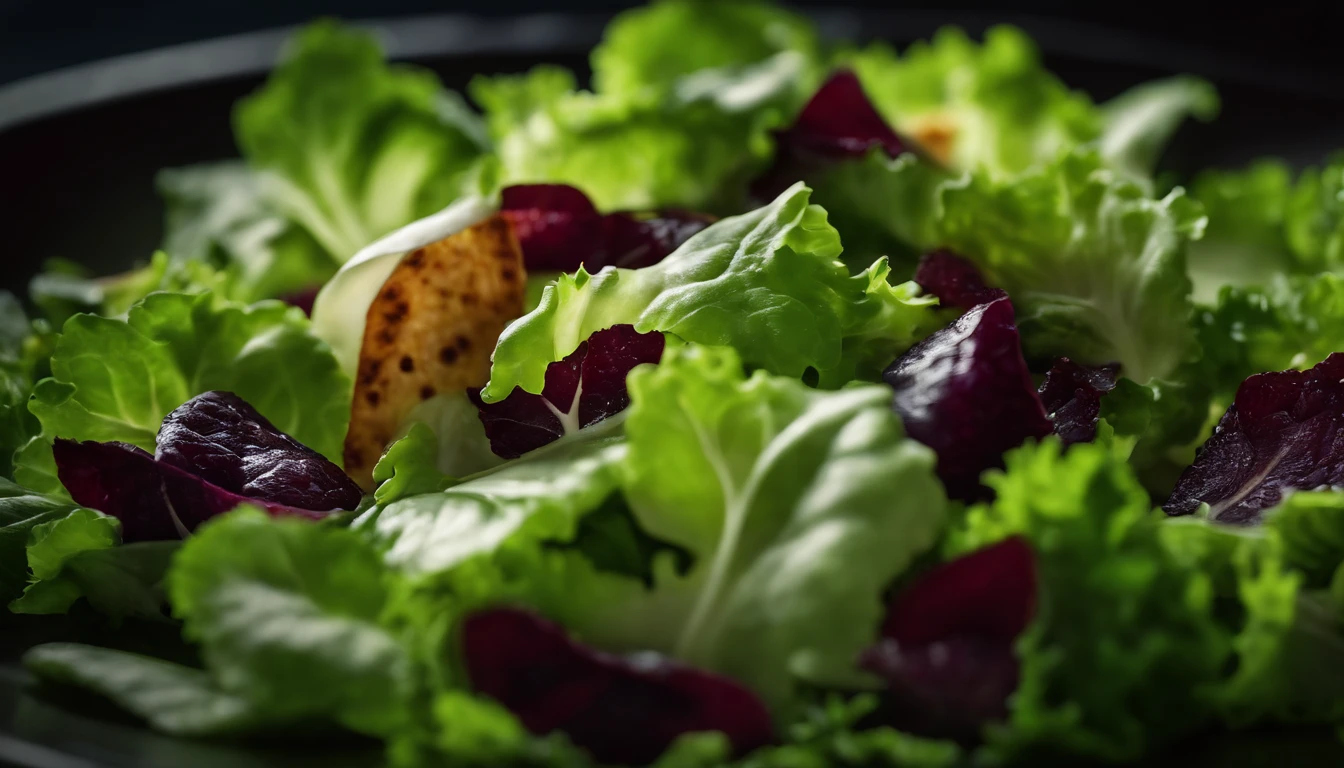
(79, 150)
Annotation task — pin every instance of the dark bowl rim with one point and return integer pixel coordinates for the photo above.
(461, 35)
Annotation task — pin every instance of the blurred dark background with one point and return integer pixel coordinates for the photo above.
(41, 35)
(79, 151)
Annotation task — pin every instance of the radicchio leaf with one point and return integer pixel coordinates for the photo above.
(946, 651)
(215, 452)
(303, 299)
(621, 710)
(154, 501)
(1071, 394)
(560, 230)
(223, 440)
(581, 390)
(839, 123)
(966, 393)
(956, 281)
(1283, 431)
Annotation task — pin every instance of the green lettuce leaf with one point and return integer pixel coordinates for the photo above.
(1126, 641)
(651, 48)
(1314, 218)
(287, 615)
(766, 283)
(1291, 323)
(21, 511)
(1139, 122)
(1096, 269)
(783, 496)
(116, 380)
(1245, 244)
(1311, 526)
(410, 467)
(172, 698)
(992, 107)
(81, 556)
(22, 354)
(641, 151)
(218, 214)
(354, 147)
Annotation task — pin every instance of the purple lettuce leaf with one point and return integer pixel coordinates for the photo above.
(218, 437)
(1283, 431)
(581, 390)
(1071, 394)
(154, 501)
(560, 230)
(946, 651)
(956, 281)
(839, 123)
(965, 392)
(623, 711)
(303, 299)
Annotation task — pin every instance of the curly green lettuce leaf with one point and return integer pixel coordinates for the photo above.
(1095, 267)
(218, 214)
(1245, 244)
(1314, 218)
(637, 151)
(1126, 640)
(287, 616)
(651, 48)
(115, 380)
(1139, 122)
(81, 556)
(991, 107)
(766, 283)
(173, 698)
(1290, 323)
(66, 289)
(354, 147)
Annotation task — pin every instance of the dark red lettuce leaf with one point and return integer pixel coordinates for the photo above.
(583, 389)
(1071, 394)
(223, 440)
(839, 123)
(560, 230)
(623, 711)
(1284, 431)
(303, 299)
(956, 281)
(154, 501)
(966, 393)
(946, 651)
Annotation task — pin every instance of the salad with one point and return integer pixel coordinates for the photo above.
(770, 402)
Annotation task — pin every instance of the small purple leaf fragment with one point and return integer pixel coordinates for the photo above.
(1071, 394)
(154, 501)
(223, 440)
(303, 299)
(946, 651)
(956, 281)
(839, 123)
(965, 392)
(1283, 431)
(580, 390)
(560, 230)
(622, 710)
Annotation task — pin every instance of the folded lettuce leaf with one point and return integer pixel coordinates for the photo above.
(115, 380)
(21, 511)
(353, 147)
(766, 283)
(991, 107)
(1094, 266)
